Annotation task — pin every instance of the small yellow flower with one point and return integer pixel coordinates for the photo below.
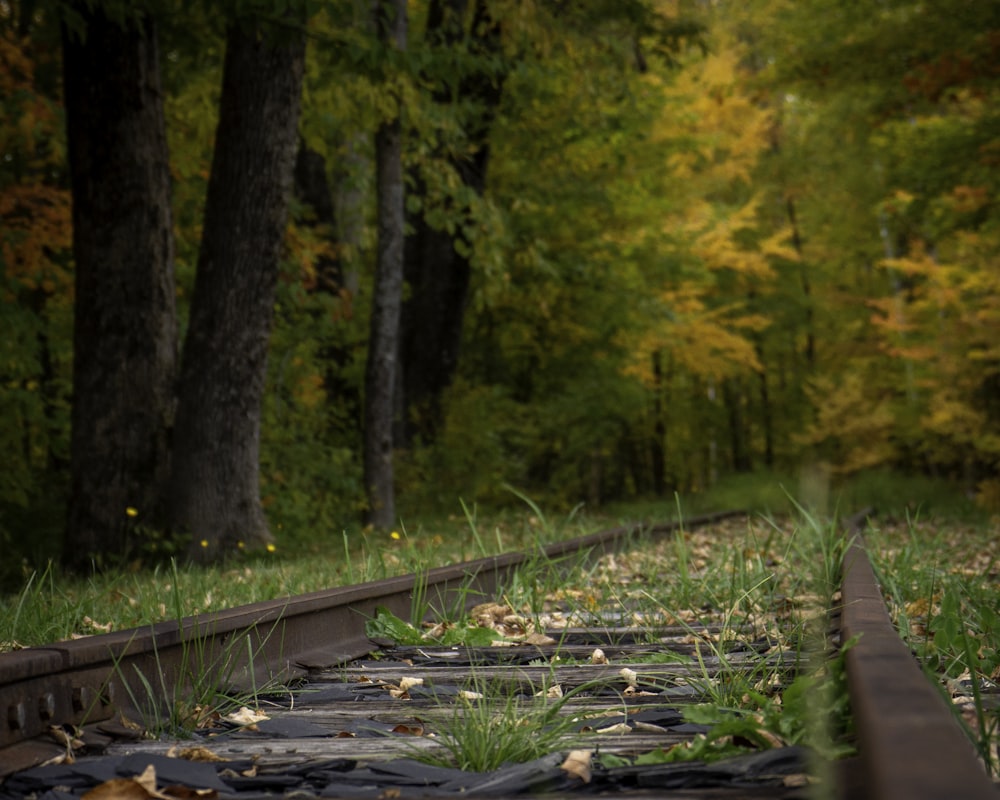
(395, 535)
(240, 545)
(131, 512)
(204, 543)
(271, 548)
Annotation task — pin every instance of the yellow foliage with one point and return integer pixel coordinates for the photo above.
(703, 341)
(951, 417)
(718, 248)
(988, 495)
(853, 423)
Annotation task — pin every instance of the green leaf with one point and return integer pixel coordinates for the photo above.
(386, 625)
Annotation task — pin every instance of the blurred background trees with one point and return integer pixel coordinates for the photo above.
(649, 244)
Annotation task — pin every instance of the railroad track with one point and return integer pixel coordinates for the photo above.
(910, 744)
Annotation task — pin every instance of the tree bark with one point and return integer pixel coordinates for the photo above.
(125, 330)
(383, 343)
(438, 269)
(313, 188)
(214, 491)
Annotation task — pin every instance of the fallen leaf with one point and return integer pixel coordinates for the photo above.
(438, 631)
(245, 718)
(630, 676)
(488, 615)
(649, 727)
(199, 754)
(577, 764)
(598, 657)
(106, 627)
(409, 730)
(539, 639)
(618, 728)
(408, 683)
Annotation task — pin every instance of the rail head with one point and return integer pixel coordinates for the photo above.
(911, 745)
(93, 679)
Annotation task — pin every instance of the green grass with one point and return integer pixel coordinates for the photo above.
(491, 727)
(52, 606)
(941, 583)
(768, 578)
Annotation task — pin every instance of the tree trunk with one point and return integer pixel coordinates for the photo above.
(658, 444)
(739, 434)
(313, 188)
(383, 342)
(214, 492)
(125, 329)
(438, 270)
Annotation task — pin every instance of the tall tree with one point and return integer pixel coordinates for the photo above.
(125, 326)
(438, 249)
(214, 487)
(383, 344)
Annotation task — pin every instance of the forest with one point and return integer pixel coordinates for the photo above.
(277, 266)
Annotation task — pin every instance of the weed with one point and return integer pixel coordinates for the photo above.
(386, 625)
(176, 702)
(488, 728)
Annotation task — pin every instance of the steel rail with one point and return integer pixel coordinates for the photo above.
(911, 745)
(94, 679)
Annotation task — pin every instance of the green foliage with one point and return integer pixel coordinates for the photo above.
(486, 731)
(716, 244)
(938, 582)
(175, 703)
(386, 625)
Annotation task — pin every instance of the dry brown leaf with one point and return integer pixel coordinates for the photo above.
(408, 683)
(68, 738)
(618, 728)
(539, 639)
(630, 676)
(488, 615)
(246, 718)
(437, 631)
(118, 789)
(199, 754)
(598, 657)
(409, 730)
(141, 787)
(552, 692)
(61, 758)
(106, 627)
(577, 764)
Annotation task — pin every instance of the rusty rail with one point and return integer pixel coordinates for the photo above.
(93, 679)
(911, 745)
